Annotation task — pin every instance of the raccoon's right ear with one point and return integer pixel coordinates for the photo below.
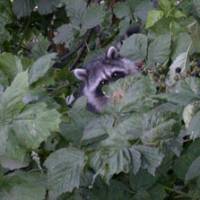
(80, 74)
(112, 53)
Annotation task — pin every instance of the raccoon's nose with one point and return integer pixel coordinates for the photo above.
(139, 64)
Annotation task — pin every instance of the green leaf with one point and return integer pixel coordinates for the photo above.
(194, 170)
(159, 50)
(115, 132)
(135, 47)
(40, 47)
(65, 35)
(121, 9)
(194, 29)
(158, 192)
(182, 163)
(131, 94)
(11, 99)
(79, 118)
(181, 62)
(142, 180)
(151, 157)
(153, 17)
(23, 186)
(142, 9)
(75, 10)
(5, 18)
(178, 14)
(165, 5)
(142, 195)
(115, 190)
(196, 6)
(185, 91)
(189, 111)
(41, 67)
(194, 126)
(10, 65)
(97, 128)
(64, 168)
(23, 8)
(161, 123)
(93, 16)
(47, 6)
(110, 161)
(182, 42)
(35, 124)
(22, 127)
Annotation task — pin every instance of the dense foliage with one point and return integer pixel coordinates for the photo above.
(145, 145)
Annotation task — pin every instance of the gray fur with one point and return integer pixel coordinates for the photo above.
(107, 68)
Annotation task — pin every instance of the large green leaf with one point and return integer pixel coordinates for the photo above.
(47, 6)
(10, 65)
(23, 8)
(118, 130)
(40, 67)
(93, 16)
(182, 42)
(151, 157)
(115, 190)
(23, 127)
(64, 169)
(97, 128)
(161, 123)
(131, 94)
(121, 9)
(194, 126)
(142, 9)
(194, 170)
(23, 186)
(5, 18)
(196, 6)
(65, 35)
(82, 16)
(153, 17)
(194, 29)
(114, 160)
(189, 112)
(159, 50)
(110, 161)
(142, 180)
(40, 47)
(185, 91)
(76, 10)
(181, 63)
(182, 164)
(135, 47)
(79, 118)
(35, 124)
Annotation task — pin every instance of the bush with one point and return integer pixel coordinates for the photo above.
(144, 146)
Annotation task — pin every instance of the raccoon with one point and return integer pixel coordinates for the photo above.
(103, 70)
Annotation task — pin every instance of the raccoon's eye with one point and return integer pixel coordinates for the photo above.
(103, 82)
(117, 75)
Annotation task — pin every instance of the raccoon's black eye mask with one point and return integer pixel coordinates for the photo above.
(114, 77)
(117, 75)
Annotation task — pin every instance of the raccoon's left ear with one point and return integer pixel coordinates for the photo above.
(112, 53)
(80, 74)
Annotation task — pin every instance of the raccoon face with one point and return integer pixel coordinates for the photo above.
(101, 71)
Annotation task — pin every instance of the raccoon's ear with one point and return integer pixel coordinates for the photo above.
(80, 74)
(112, 52)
